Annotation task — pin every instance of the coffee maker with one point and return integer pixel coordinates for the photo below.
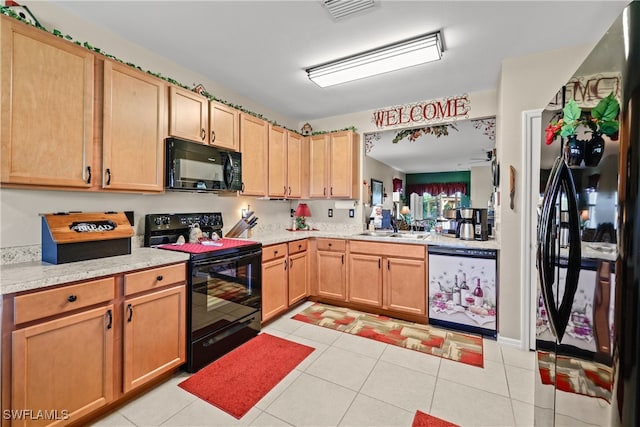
(480, 229)
(466, 224)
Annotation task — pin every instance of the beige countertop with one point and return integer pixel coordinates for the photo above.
(25, 276)
(34, 275)
(407, 237)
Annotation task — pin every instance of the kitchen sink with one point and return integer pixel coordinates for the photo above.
(377, 233)
(410, 235)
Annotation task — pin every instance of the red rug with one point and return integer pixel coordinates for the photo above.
(425, 420)
(239, 379)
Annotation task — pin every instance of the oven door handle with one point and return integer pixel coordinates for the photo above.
(220, 260)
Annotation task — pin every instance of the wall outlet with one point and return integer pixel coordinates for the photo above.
(292, 213)
(330, 213)
(352, 213)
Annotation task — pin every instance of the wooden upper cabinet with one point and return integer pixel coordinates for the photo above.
(344, 165)
(224, 126)
(318, 166)
(254, 134)
(297, 166)
(134, 128)
(188, 115)
(277, 161)
(46, 96)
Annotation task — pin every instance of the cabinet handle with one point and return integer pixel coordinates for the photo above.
(324, 191)
(213, 136)
(159, 278)
(203, 134)
(88, 174)
(289, 190)
(388, 265)
(331, 192)
(290, 263)
(242, 188)
(110, 317)
(343, 259)
(299, 247)
(285, 264)
(379, 263)
(72, 298)
(275, 253)
(130, 310)
(108, 176)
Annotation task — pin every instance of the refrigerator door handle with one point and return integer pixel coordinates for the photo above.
(558, 314)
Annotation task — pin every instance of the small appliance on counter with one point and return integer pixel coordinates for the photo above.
(466, 224)
(480, 229)
(81, 236)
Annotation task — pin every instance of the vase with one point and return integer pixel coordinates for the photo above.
(575, 151)
(593, 150)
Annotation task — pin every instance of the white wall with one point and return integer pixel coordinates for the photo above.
(481, 186)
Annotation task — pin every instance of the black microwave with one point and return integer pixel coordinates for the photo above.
(197, 167)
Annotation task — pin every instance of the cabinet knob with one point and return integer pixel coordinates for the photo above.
(160, 277)
(329, 244)
(275, 253)
(213, 136)
(203, 134)
(72, 298)
(299, 247)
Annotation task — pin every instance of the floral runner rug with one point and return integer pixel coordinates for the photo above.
(460, 347)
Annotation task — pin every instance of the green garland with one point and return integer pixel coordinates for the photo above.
(415, 133)
(5, 10)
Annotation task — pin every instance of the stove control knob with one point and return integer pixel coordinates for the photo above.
(158, 221)
(166, 220)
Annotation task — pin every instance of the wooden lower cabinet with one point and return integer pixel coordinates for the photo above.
(274, 283)
(298, 277)
(90, 345)
(331, 270)
(148, 354)
(388, 276)
(63, 366)
(365, 279)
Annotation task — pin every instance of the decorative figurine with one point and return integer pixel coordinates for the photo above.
(306, 129)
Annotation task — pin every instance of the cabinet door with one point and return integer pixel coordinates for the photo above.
(46, 118)
(318, 166)
(188, 115)
(274, 287)
(342, 164)
(224, 126)
(154, 335)
(297, 166)
(331, 275)
(64, 365)
(298, 277)
(405, 285)
(277, 162)
(254, 134)
(365, 279)
(134, 128)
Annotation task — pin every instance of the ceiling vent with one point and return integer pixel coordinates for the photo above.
(341, 9)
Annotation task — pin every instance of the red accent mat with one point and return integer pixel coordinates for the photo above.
(425, 420)
(461, 347)
(239, 379)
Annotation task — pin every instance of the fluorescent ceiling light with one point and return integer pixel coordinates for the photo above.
(407, 53)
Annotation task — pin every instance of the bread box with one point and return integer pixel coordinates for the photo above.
(80, 236)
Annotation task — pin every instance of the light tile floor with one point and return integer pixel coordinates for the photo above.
(354, 381)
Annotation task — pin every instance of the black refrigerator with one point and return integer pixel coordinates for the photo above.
(588, 244)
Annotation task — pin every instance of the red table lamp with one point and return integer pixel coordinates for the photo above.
(302, 212)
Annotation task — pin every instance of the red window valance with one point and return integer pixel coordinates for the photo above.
(449, 188)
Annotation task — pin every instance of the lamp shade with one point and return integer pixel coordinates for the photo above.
(405, 210)
(303, 210)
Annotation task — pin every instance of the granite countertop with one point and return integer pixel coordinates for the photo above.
(26, 276)
(436, 240)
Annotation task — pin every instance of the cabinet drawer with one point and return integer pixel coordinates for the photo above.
(42, 304)
(154, 278)
(388, 249)
(274, 251)
(331, 245)
(297, 246)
